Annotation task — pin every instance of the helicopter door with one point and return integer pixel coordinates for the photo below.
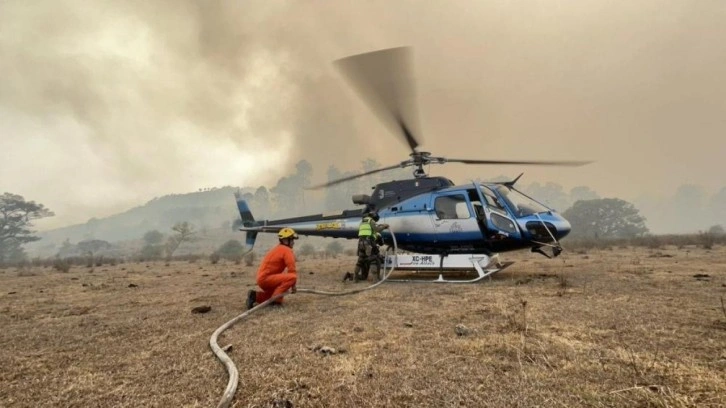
(453, 218)
(493, 215)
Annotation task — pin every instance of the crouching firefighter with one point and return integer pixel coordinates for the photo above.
(369, 239)
(271, 277)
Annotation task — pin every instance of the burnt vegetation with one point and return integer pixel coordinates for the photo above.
(621, 326)
(622, 318)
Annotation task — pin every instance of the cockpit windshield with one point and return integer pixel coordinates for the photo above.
(520, 203)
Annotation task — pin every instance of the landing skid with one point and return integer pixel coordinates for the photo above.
(423, 266)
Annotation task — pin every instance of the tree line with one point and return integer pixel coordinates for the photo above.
(590, 215)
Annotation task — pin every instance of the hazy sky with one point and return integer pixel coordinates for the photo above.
(106, 104)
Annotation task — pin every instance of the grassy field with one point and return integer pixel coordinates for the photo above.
(623, 327)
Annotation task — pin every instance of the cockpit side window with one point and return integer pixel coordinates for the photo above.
(521, 204)
(492, 201)
(452, 207)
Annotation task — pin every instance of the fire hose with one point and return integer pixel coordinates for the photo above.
(229, 392)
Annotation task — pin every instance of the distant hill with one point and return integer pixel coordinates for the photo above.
(211, 209)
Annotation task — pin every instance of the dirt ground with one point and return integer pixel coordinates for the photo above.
(623, 327)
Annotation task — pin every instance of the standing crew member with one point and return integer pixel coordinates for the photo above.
(366, 242)
(376, 260)
(270, 276)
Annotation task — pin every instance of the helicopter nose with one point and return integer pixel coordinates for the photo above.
(563, 228)
(557, 226)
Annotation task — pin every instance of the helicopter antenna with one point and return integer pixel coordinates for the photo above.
(510, 184)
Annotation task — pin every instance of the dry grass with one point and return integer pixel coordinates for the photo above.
(623, 327)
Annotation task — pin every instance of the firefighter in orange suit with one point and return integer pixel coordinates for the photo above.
(271, 277)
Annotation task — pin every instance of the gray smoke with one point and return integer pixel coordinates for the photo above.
(106, 104)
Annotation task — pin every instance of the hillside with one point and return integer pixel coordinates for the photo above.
(212, 209)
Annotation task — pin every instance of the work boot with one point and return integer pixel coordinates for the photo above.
(376, 271)
(348, 276)
(251, 299)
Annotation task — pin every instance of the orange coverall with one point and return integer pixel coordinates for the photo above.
(270, 276)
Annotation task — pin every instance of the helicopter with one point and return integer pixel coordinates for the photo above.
(445, 226)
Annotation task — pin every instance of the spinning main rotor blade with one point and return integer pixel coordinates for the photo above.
(522, 162)
(344, 179)
(385, 81)
(442, 160)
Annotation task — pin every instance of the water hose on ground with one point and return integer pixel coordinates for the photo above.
(229, 392)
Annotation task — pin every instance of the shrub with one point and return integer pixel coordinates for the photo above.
(231, 250)
(651, 241)
(334, 249)
(61, 265)
(152, 252)
(717, 230)
(249, 259)
(307, 249)
(707, 240)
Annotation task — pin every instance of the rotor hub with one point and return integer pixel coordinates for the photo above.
(419, 159)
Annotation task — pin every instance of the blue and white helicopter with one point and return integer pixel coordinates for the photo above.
(447, 227)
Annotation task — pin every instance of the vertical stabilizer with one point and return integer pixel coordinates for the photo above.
(247, 221)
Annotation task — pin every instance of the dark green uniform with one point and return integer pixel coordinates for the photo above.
(368, 251)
